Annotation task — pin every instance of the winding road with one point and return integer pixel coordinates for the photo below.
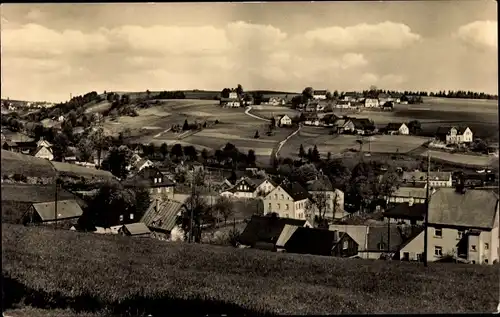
(247, 112)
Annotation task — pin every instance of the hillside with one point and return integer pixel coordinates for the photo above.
(119, 275)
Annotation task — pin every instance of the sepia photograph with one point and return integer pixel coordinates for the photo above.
(253, 158)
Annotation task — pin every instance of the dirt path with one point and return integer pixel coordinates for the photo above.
(284, 141)
(247, 112)
(159, 134)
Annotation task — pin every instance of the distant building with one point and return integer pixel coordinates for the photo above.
(320, 94)
(67, 214)
(436, 179)
(283, 121)
(371, 103)
(43, 152)
(288, 200)
(455, 135)
(397, 128)
(137, 229)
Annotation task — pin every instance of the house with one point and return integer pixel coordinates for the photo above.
(316, 241)
(464, 223)
(9, 145)
(43, 152)
(350, 96)
(454, 135)
(330, 199)
(137, 229)
(311, 119)
(397, 128)
(275, 101)
(383, 98)
(43, 143)
(233, 95)
(230, 102)
(65, 213)
(60, 118)
(266, 230)
(319, 94)
(142, 164)
(248, 187)
(413, 248)
(288, 200)
(344, 104)
(388, 106)
(406, 194)
(283, 121)
(371, 103)
(436, 179)
(157, 183)
(161, 217)
(408, 213)
(357, 126)
(328, 120)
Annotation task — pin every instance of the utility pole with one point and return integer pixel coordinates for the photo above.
(426, 233)
(55, 205)
(192, 209)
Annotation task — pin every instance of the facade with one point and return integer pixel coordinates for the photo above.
(413, 249)
(406, 213)
(413, 195)
(288, 200)
(397, 128)
(344, 104)
(357, 126)
(454, 135)
(230, 102)
(44, 152)
(436, 179)
(371, 103)
(464, 224)
(157, 182)
(142, 164)
(320, 94)
(332, 199)
(283, 121)
(248, 187)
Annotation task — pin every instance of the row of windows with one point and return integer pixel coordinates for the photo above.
(159, 190)
(438, 250)
(131, 217)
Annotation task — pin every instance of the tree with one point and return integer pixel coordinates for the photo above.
(309, 154)
(329, 156)
(329, 95)
(204, 154)
(318, 206)
(148, 94)
(117, 161)
(224, 208)
(60, 146)
(479, 145)
(389, 182)
(308, 93)
(272, 125)
(196, 213)
(414, 126)
(239, 91)
(151, 149)
(306, 172)
(256, 136)
(177, 150)
(225, 92)
(315, 154)
(72, 117)
(85, 149)
(190, 152)
(164, 150)
(297, 100)
(302, 152)
(185, 127)
(251, 157)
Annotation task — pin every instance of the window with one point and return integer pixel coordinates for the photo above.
(287, 216)
(381, 246)
(345, 245)
(121, 217)
(276, 196)
(486, 246)
(131, 216)
(158, 190)
(438, 233)
(167, 189)
(282, 196)
(438, 251)
(279, 206)
(473, 248)
(270, 206)
(460, 235)
(286, 207)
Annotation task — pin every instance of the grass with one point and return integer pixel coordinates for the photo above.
(268, 111)
(65, 169)
(123, 276)
(463, 159)
(27, 165)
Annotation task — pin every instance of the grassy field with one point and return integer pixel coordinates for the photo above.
(268, 111)
(29, 166)
(463, 159)
(119, 275)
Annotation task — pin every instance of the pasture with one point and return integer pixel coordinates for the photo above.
(117, 275)
(27, 165)
(268, 112)
(463, 159)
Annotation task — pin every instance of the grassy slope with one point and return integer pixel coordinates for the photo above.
(116, 273)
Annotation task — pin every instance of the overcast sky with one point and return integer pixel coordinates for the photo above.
(52, 50)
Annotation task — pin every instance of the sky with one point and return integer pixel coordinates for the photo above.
(50, 51)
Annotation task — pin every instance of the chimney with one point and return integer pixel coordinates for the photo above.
(157, 206)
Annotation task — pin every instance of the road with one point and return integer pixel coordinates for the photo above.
(247, 112)
(285, 140)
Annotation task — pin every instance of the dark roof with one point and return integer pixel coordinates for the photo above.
(312, 241)
(320, 92)
(329, 118)
(164, 217)
(474, 208)
(295, 190)
(320, 184)
(393, 126)
(415, 232)
(135, 229)
(444, 130)
(266, 229)
(379, 234)
(361, 123)
(149, 174)
(405, 211)
(66, 209)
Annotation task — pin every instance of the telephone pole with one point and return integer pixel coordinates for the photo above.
(426, 233)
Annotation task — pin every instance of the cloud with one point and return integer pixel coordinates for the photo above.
(352, 60)
(388, 81)
(264, 37)
(382, 36)
(479, 34)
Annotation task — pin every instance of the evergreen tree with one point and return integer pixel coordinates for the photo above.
(302, 153)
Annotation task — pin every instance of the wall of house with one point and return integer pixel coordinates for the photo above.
(474, 253)
(414, 247)
(406, 200)
(404, 130)
(280, 202)
(495, 240)
(266, 187)
(448, 242)
(468, 136)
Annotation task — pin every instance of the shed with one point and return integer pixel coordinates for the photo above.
(135, 229)
(68, 212)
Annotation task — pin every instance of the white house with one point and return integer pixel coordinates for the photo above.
(143, 163)
(398, 128)
(43, 143)
(320, 94)
(233, 95)
(459, 135)
(283, 121)
(329, 198)
(288, 200)
(371, 103)
(436, 179)
(343, 104)
(43, 152)
(248, 187)
(60, 118)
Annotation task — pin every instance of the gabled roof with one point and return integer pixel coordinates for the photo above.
(444, 130)
(266, 229)
(141, 162)
(380, 234)
(320, 184)
(135, 229)
(40, 148)
(285, 235)
(405, 211)
(361, 123)
(65, 209)
(311, 241)
(320, 92)
(164, 217)
(474, 208)
(394, 126)
(295, 190)
(410, 192)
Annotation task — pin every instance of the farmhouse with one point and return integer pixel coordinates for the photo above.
(351, 96)
(137, 229)
(264, 231)
(320, 94)
(464, 223)
(44, 143)
(9, 145)
(161, 217)
(397, 128)
(230, 102)
(311, 119)
(371, 103)
(288, 200)
(413, 195)
(383, 98)
(142, 164)
(304, 240)
(283, 121)
(157, 183)
(248, 187)
(43, 152)
(357, 126)
(454, 135)
(329, 120)
(388, 106)
(436, 179)
(66, 214)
